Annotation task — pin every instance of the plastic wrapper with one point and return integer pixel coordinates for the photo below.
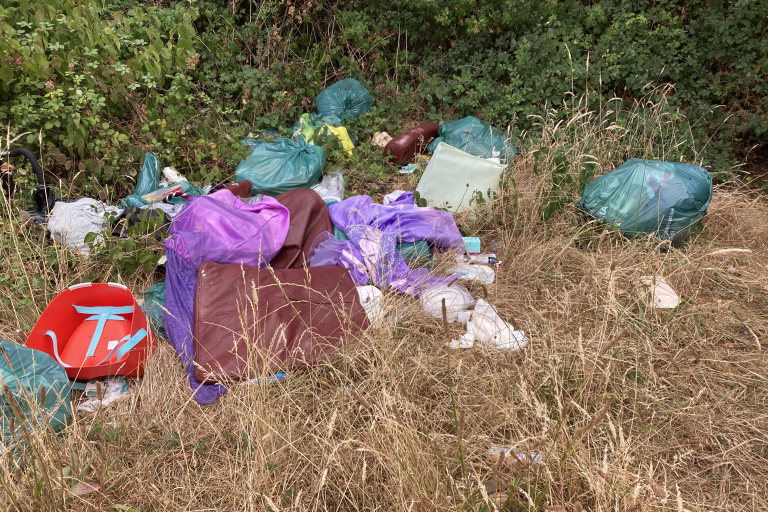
(331, 189)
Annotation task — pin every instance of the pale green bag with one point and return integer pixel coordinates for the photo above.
(452, 178)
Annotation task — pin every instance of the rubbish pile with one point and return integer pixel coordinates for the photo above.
(280, 269)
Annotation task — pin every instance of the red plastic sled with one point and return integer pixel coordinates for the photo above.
(94, 330)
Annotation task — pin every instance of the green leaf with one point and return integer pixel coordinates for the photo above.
(6, 73)
(90, 238)
(124, 508)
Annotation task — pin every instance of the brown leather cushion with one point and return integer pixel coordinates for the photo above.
(240, 189)
(309, 218)
(408, 143)
(294, 323)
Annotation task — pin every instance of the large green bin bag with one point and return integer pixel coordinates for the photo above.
(345, 98)
(149, 181)
(26, 371)
(282, 165)
(472, 136)
(644, 197)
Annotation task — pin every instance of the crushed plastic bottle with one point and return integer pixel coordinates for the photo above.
(495, 451)
(485, 259)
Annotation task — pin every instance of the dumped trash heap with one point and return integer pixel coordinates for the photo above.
(280, 268)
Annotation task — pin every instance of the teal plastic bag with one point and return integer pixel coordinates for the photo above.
(416, 254)
(154, 300)
(648, 197)
(282, 165)
(26, 372)
(149, 181)
(472, 136)
(345, 98)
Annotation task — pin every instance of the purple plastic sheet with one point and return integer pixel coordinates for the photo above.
(220, 228)
(329, 250)
(376, 229)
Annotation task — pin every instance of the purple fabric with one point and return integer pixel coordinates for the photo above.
(402, 217)
(329, 250)
(221, 228)
(404, 198)
(376, 230)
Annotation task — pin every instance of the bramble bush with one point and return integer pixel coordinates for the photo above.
(95, 83)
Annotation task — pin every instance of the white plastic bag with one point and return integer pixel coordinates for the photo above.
(487, 327)
(662, 294)
(171, 176)
(480, 273)
(457, 301)
(70, 222)
(331, 189)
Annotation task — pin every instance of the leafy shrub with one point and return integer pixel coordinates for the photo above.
(102, 81)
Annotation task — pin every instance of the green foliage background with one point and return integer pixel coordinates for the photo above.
(95, 83)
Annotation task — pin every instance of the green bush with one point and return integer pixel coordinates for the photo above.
(95, 83)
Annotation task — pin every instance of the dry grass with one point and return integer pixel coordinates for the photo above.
(630, 408)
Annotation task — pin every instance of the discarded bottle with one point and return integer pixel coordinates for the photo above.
(485, 259)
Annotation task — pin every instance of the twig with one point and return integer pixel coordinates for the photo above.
(746, 328)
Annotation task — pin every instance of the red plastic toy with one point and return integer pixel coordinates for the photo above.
(94, 330)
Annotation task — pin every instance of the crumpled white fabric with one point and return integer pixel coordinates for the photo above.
(70, 222)
(457, 301)
(488, 328)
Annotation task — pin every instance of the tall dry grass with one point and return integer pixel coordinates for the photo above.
(629, 408)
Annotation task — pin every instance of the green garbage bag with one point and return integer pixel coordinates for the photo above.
(282, 165)
(416, 254)
(154, 299)
(26, 372)
(148, 182)
(345, 98)
(648, 197)
(472, 136)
